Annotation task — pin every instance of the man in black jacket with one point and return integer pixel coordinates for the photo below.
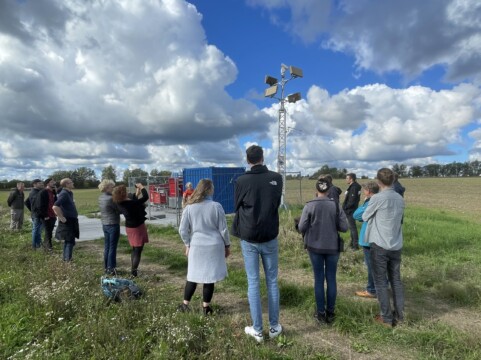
(350, 204)
(45, 200)
(15, 201)
(31, 205)
(257, 198)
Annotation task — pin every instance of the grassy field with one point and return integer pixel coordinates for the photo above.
(57, 311)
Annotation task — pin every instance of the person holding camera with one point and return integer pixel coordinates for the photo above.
(134, 211)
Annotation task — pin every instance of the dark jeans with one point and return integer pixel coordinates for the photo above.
(324, 267)
(36, 232)
(48, 225)
(370, 287)
(111, 234)
(353, 231)
(388, 262)
(68, 250)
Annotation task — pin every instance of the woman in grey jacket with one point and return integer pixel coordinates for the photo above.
(110, 216)
(203, 229)
(320, 222)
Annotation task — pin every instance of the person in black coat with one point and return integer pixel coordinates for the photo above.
(257, 197)
(350, 204)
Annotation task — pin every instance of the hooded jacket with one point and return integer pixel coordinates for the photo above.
(257, 197)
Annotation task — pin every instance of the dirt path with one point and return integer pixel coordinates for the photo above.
(298, 327)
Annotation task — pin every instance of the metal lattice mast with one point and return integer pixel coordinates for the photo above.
(282, 134)
(281, 155)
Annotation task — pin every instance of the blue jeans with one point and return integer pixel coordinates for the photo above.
(269, 253)
(324, 266)
(36, 232)
(370, 281)
(111, 234)
(67, 250)
(388, 262)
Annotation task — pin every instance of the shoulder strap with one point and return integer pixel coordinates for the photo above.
(337, 213)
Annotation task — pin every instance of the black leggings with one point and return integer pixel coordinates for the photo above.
(135, 256)
(207, 291)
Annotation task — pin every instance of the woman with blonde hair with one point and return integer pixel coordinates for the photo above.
(110, 217)
(203, 229)
(134, 211)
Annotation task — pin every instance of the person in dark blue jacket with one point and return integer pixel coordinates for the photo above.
(257, 198)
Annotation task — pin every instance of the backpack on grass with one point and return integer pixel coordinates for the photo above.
(117, 289)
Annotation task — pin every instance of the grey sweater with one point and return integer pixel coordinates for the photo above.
(109, 212)
(318, 225)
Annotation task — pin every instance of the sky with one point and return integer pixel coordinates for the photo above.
(173, 84)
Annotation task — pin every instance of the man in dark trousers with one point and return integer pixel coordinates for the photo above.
(15, 201)
(257, 198)
(66, 211)
(45, 199)
(351, 203)
(31, 205)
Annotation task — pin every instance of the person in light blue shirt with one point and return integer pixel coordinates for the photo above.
(384, 215)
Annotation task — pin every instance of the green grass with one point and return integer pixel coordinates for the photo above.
(54, 310)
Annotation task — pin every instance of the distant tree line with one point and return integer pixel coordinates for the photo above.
(85, 178)
(454, 169)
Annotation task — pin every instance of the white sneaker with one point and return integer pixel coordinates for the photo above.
(275, 331)
(249, 330)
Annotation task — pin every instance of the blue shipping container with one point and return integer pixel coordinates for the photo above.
(223, 178)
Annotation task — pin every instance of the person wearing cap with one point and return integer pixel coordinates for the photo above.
(68, 226)
(46, 198)
(15, 202)
(32, 205)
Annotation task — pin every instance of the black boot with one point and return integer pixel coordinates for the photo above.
(330, 316)
(208, 310)
(320, 317)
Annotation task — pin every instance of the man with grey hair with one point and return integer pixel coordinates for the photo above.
(370, 188)
(68, 226)
(15, 202)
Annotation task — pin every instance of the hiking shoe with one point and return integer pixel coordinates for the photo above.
(183, 308)
(330, 316)
(208, 310)
(275, 331)
(378, 319)
(365, 294)
(111, 272)
(397, 322)
(134, 273)
(320, 317)
(249, 330)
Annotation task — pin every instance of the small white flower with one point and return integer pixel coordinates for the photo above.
(60, 318)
